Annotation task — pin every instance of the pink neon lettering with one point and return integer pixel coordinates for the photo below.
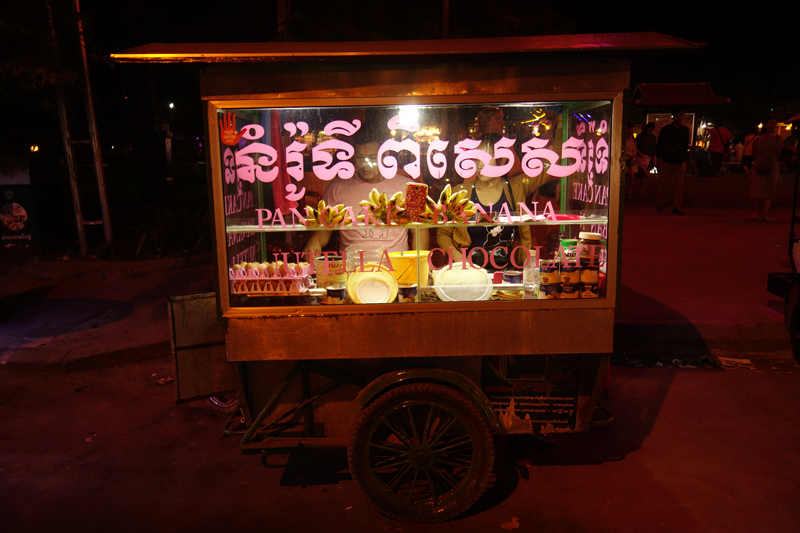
(523, 209)
(326, 171)
(491, 258)
(464, 254)
(601, 156)
(252, 132)
(430, 259)
(465, 161)
(230, 166)
(437, 162)
(399, 123)
(262, 218)
(513, 256)
(276, 217)
(322, 217)
(342, 127)
(501, 151)
(486, 258)
(387, 164)
(294, 150)
(249, 169)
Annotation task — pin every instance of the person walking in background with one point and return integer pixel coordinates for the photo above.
(630, 160)
(789, 153)
(747, 153)
(720, 140)
(646, 154)
(671, 150)
(766, 173)
(738, 150)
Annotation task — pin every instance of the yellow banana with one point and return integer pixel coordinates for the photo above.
(445, 194)
(321, 206)
(374, 196)
(382, 199)
(396, 197)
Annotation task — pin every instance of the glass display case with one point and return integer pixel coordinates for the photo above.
(405, 204)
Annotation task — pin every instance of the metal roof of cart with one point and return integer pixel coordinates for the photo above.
(316, 51)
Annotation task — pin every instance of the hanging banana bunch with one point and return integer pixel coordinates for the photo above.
(331, 217)
(384, 208)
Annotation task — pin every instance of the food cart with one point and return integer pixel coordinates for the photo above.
(414, 321)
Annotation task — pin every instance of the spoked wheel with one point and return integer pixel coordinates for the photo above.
(227, 403)
(422, 453)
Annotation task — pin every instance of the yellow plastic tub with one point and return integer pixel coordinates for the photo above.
(405, 266)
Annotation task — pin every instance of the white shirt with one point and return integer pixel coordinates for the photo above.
(352, 191)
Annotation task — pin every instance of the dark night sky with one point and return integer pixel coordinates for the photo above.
(750, 56)
(752, 47)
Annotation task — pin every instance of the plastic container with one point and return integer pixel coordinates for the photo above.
(530, 278)
(459, 285)
(376, 285)
(406, 266)
(570, 247)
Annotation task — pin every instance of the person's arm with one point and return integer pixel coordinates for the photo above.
(444, 238)
(319, 240)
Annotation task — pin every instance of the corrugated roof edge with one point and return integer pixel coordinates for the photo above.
(288, 51)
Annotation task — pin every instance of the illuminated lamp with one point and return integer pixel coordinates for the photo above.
(34, 148)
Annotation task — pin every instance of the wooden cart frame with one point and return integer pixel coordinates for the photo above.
(417, 419)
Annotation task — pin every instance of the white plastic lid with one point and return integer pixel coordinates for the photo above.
(589, 236)
(459, 285)
(373, 290)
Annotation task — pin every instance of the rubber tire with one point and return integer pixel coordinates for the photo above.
(477, 479)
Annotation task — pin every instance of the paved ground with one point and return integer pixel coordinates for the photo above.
(62, 314)
(103, 447)
(107, 450)
(697, 284)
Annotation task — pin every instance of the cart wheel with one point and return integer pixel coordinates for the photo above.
(421, 453)
(227, 403)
